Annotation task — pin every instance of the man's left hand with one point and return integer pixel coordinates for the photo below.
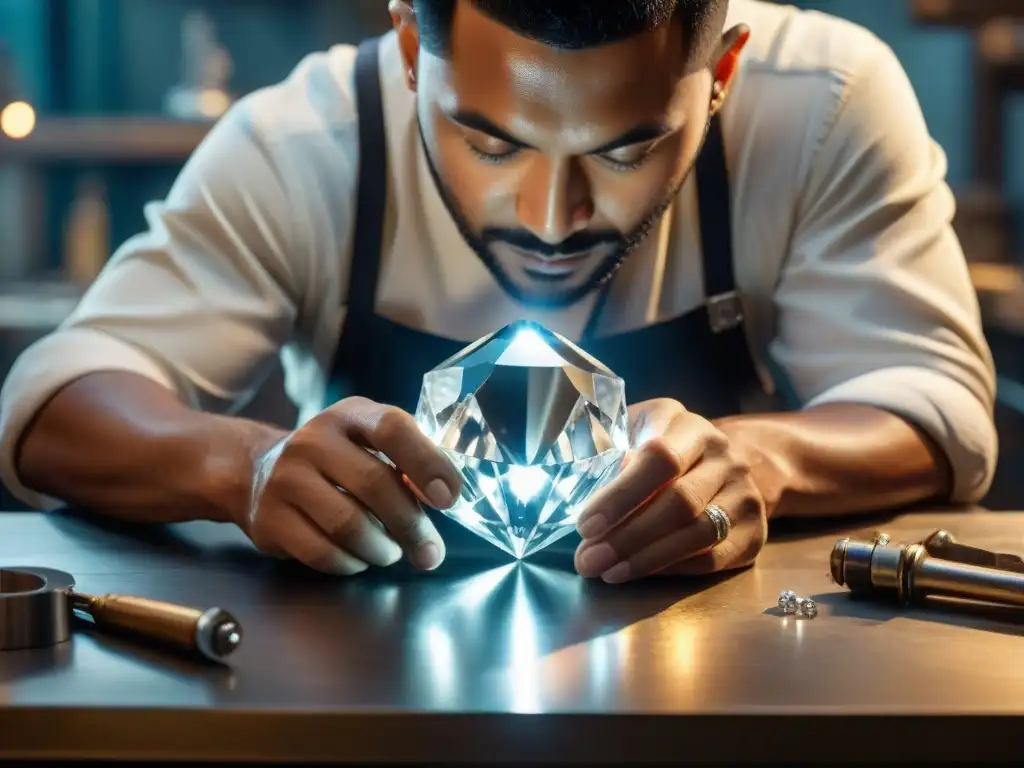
(652, 519)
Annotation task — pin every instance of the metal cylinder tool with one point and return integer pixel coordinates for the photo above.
(34, 607)
(38, 607)
(939, 566)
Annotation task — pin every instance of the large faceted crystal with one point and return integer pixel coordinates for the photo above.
(536, 426)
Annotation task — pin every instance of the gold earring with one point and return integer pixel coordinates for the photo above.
(717, 96)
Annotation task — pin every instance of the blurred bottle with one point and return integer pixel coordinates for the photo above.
(203, 92)
(1001, 41)
(87, 234)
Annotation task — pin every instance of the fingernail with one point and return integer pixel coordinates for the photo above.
(616, 575)
(592, 526)
(438, 494)
(346, 565)
(598, 559)
(427, 556)
(391, 553)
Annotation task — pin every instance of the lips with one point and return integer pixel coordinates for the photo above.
(557, 266)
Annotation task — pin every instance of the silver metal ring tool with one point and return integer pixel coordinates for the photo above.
(39, 606)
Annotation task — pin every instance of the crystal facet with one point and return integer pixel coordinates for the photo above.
(534, 424)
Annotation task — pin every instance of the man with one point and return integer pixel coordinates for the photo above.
(716, 201)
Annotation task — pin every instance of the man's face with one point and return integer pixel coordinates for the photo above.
(555, 164)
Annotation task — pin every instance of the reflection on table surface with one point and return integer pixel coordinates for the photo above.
(486, 634)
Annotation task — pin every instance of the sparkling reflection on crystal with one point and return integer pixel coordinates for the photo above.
(536, 426)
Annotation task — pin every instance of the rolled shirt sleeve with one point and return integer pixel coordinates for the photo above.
(200, 303)
(876, 305)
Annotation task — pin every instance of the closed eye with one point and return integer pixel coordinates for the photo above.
(627, 165)
(629, 158)
(493, 157)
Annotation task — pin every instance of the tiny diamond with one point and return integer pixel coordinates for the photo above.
(788, 601)
(787, 605)
(534, 424)
(808, 608)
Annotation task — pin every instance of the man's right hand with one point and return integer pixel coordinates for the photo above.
(320, 496)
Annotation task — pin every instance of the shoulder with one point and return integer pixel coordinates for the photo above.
(307, 130)
(788, 108)
(303, 135)
(799, 74)
(317, 96)
(799, 70)
(309, 120)
(788, 42)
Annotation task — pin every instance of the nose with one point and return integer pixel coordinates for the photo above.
(555, 199)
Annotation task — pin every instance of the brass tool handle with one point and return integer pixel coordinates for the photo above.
(910, 572)
(940, 577)
(213, 633)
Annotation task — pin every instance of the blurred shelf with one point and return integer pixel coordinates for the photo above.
(106, 139)
(1000, 290)
(983, 222)
(38, 305)
(965, 13)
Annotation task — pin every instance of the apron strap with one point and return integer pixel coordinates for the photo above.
(371, 200)
(368, 238)
(714, 203)
(722, 300)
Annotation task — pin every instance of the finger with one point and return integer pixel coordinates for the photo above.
(740, 549)
(395, 433)
(344, 521)
(292, 532)
(720, 558)
(650, 419)
(416, 491)
(731, 553)
(381, 489)
(656, 464)
(677, 506)
(698, 538)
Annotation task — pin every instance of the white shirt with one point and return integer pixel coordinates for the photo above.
(853, 281)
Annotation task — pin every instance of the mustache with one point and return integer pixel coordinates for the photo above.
(576, 243)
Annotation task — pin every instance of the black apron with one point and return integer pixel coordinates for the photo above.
(701, 358)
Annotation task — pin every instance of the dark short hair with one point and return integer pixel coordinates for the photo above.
(573, 24)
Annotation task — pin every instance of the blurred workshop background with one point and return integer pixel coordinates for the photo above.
(101, 102)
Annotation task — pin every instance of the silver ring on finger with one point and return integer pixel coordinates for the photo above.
(720, 520)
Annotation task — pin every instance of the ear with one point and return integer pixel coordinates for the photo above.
(403, 17)
(726, 63)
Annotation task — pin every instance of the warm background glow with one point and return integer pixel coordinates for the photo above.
(17, 120)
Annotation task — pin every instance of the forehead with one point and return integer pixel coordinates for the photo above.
(524, 84)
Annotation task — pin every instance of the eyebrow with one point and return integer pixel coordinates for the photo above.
(477, 122)
(640, 134)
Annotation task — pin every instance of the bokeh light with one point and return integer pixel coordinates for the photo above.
(17, 120)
